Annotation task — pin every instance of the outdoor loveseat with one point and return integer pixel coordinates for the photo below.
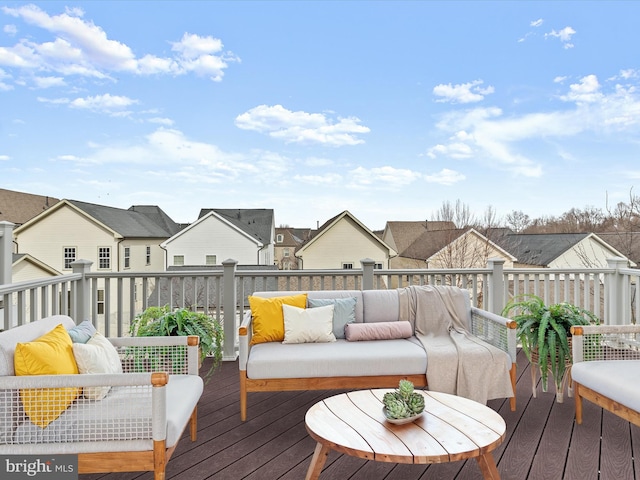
(606, 364)
(373, 344)
(129, 419)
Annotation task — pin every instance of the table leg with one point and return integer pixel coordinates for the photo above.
(488, 466)
(320, 455)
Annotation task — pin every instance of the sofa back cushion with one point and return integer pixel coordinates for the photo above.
(381, 306)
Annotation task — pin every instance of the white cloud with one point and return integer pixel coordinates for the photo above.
(486, 136)
(536, 23)
(4, 158)
(103, 103)
(318, 162)
(387, 177)
(48, 82)
(301, 127)
(470, 92)
(564, 35)
(54, 101)
(80, 47)
(326, 179)
(587, 91)
(162, 121)
(445, 177)
(10, 30)
(559, 79)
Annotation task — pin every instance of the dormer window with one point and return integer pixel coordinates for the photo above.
(279, 238)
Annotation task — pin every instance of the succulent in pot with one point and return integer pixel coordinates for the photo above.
(403, 402)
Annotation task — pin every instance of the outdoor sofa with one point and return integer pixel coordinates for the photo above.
(606, 367)
(360, 362)
(130, 420)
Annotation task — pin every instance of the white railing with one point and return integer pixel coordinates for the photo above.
(112, 300)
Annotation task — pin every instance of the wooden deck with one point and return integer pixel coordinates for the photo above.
(542, 441)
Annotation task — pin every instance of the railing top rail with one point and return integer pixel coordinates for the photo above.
(29, 284)
(551, 271)
(630, 271)
(169, 274)
(433, 271)
(299, 273)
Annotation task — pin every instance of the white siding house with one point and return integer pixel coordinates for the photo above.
(243, 235)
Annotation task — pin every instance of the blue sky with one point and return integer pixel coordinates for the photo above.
(385, 109)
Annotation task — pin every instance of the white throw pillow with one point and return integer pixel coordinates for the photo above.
(98, 355)
(308, 325)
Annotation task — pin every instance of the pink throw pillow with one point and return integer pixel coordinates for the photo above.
(378, 331)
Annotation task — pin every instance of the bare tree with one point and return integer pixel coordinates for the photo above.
(517, 220)
(460, 214)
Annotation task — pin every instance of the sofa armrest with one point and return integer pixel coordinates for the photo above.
(494, 329)
(174, 355)
(134, 408)
(605, 342)
(244, 340)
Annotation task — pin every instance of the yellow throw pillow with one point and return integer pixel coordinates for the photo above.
(51, 354)
(268, 320)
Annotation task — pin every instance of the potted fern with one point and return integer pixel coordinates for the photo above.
(162, 321)
(544, 331)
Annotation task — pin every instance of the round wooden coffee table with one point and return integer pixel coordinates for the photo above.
(452, 428)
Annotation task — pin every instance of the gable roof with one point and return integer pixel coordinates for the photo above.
(292, 237)
(539, 248)
(136, 222)
(19, 207)
(627, 243)
(17, 258)
(332, 221)
(256, 222)
(405, 233)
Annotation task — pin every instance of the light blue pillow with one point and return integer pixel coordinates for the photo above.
(82, 332)
(344, 311)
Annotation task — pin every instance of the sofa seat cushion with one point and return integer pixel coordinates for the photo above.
(337, 359)
(124, 414)
(615, 379)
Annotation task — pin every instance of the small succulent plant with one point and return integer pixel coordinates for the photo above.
(403, 402)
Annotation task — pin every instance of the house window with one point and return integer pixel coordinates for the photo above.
(285, 252)
(178, 260)
(211, 260)
(100, 303)
(69, 257)
(104, 257)
(378, 266)
(148, 255)
(127, 257)
(286, 266)
(347, 266)
(279, 238)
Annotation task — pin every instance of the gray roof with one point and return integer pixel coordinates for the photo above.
(538, 248)
(257, 222)
(141, 221)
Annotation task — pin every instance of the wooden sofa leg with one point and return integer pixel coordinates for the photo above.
(578, 401)
(193, 424)
(159, 459)
(243, 395)
(513, 375)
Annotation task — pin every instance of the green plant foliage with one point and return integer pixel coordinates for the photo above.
(403, 402)
(546, 328)
(161, 321)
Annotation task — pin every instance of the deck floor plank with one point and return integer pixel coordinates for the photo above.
(542, 441)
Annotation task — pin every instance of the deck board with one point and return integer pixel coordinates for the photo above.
(542, 441)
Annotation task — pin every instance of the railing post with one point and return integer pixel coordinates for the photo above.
(229, 306)
(83, 290)
(616, 292)
(367, 273)
(496, 285)
(6, 251)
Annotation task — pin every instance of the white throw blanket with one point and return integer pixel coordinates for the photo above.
(457, 362)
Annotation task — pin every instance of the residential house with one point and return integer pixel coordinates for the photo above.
(113, 239)
(25, 267)
(288, 240)
(342, 242)
(19, 207)
(244, 235)
(450, 248)
(627, 243)
(558, 250)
